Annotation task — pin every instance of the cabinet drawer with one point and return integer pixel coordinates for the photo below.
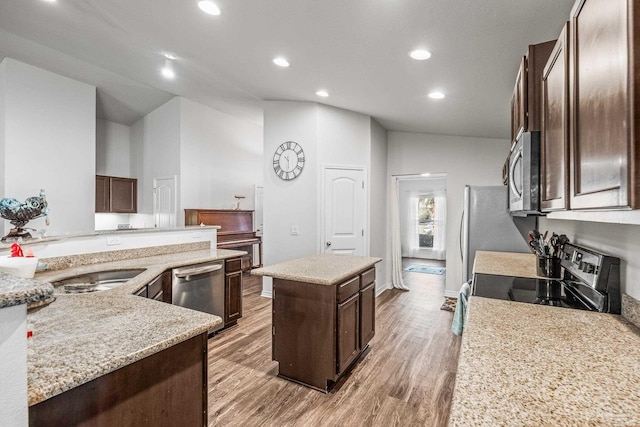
(349, 288)
(142, 292)
(155, 287)
(368, 277)
(233, 265)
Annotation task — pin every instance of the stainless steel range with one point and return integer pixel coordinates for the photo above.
(590, 281)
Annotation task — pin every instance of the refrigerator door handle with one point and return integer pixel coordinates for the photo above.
(460, 239)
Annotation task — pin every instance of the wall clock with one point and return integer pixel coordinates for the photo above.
(288, 160)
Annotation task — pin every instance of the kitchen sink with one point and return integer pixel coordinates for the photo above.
(96, 281)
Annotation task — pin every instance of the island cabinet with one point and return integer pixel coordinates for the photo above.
(554, 147)
(320, 330)
(604, 104)
(168, 388)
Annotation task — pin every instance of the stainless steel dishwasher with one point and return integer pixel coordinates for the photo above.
(200, 287)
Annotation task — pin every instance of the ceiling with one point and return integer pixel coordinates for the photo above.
(357, 50)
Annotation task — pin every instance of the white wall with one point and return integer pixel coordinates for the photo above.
(294, 202)
(344, 137)
(620, 240)
(113, 149)
(220, 157)
(155, 148)
(465, 160)
(378, 203)
(328, 136)
(49, 143)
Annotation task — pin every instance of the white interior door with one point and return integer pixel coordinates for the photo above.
(164, 202)
(344, 209)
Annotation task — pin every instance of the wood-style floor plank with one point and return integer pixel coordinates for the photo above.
(405, 379)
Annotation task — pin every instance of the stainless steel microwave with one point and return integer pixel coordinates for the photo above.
(524, 175)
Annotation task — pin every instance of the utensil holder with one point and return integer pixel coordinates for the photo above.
(549, 266)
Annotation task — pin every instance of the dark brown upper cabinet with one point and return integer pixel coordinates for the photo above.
(603, 105)
(554, 150)
(525, 103)
(116, 195)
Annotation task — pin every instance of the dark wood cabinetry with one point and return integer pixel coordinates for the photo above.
(525, 103)
(554, 149)
(367, 307)
(319, 331)
(158, 289)
(236, 231)
(116, 195)
(603, 104)
(232, 291)
(168, 388)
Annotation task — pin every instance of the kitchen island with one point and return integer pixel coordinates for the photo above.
(526, 364)
(112, 355)
(323, 316)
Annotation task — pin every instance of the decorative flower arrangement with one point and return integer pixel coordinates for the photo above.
(19, 214)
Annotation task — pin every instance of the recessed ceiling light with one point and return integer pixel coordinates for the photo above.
(169, 56)
(323, 93)
(281, 62)
(167, 70)
(209, 7)
(420, 54)
(436, 95)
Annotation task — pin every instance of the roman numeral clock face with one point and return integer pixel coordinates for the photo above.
(288, 160)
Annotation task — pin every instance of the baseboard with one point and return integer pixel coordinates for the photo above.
(452, 294)
(266, 294)
(380, 290)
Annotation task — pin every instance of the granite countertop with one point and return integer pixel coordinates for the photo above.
(505, 264)
(325, 269)
(80, 337)
(16, 290)
(531, 365)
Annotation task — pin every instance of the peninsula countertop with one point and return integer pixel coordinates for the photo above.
(324, 269)
(532, 365)
(80, 337)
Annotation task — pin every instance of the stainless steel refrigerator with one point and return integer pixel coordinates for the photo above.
(487, 226)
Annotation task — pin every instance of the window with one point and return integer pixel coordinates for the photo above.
(426, 221)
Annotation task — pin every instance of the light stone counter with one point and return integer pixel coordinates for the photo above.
(322, 269)
(78, 338)
(505, 264)
(531, 365)
(16, 290)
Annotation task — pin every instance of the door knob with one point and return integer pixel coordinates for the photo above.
(328, 244)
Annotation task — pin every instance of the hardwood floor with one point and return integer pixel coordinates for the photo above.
(405, 379)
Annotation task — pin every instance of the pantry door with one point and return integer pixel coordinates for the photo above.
(343, 211)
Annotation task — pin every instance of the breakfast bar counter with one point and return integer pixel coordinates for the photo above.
(80, 337)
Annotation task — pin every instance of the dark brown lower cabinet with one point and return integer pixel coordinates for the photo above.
(319, 331)
(348, 332)
(168, 388)
(232, 291)
(367, 314)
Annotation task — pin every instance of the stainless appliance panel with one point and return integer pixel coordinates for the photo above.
(487, 225)
(200, 287)
(524, 175)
